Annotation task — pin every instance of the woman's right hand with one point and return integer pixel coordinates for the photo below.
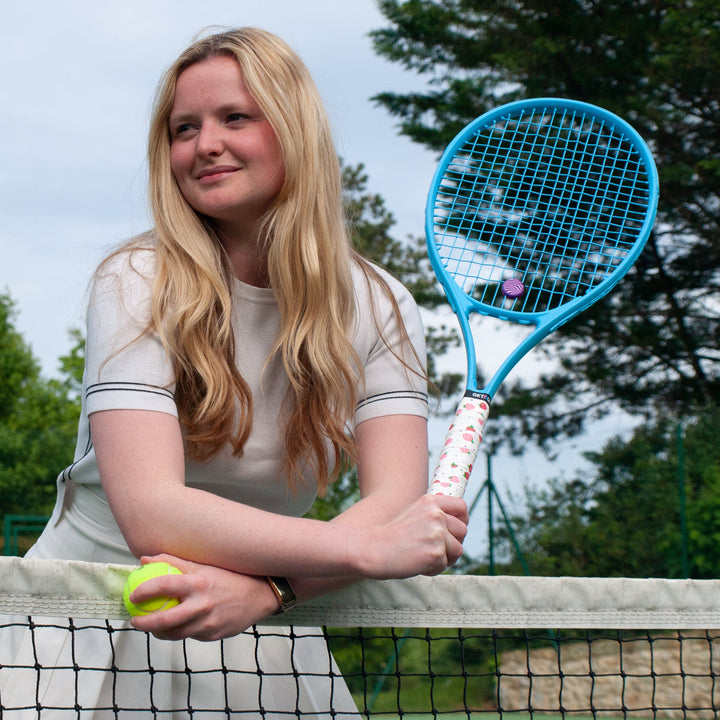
(425, 538)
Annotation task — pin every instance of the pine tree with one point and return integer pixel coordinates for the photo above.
(652, 346)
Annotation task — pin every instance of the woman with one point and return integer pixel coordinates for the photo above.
(237, 355)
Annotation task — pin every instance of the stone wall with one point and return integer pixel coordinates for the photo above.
(661, 675)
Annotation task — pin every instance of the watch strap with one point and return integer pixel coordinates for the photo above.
(283, 592)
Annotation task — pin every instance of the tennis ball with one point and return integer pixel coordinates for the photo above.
(138, 577)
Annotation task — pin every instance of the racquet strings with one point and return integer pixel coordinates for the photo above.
(552, 197)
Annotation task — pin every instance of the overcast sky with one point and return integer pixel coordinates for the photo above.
(76, 84)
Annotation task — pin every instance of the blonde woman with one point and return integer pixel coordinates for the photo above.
(237, 355)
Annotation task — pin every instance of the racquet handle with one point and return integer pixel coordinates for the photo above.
(462, 443)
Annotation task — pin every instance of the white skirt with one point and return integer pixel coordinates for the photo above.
(83, 669)
(97, 670)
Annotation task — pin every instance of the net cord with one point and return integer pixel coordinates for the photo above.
(62, 588)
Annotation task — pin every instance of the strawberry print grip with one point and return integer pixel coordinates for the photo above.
(462, 443)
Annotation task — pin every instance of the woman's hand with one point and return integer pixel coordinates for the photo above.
(214, 603)
(397, 529)
(423, 539)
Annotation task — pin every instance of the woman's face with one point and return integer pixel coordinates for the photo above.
(224, 154)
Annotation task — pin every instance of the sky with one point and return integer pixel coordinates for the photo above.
(77, 79)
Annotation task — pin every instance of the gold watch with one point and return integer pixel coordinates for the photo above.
(283, 592)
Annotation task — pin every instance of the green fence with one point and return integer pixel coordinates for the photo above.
(17, 526)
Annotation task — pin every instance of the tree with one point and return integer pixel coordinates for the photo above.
(652, 347)
(38, 421)
(624, 518)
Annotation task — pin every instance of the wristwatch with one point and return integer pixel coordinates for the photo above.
(283, 592)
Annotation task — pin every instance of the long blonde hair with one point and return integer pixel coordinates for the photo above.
(309, 256)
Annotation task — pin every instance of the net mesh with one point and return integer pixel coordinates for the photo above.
(446, 647)
(551, 197)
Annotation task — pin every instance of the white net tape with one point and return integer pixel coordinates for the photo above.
(58, 588)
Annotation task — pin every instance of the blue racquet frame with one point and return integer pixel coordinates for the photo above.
(537, 210)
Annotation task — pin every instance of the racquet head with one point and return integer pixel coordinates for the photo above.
(537, 209)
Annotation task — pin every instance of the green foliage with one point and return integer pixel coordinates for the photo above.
(624, 518)
(386, 668)
(338, 497)
(38, 421)
(371, 224)
(72, 365)
(651, 347)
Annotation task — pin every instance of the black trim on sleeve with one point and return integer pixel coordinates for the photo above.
(128, 387)
(395, 395)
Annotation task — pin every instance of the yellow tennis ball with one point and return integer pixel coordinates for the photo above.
(138, 577)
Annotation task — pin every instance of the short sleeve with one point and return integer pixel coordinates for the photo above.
(394, 362)
(126, 367)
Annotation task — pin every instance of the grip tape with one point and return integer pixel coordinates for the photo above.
(461, 446)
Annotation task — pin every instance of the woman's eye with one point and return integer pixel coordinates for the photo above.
(181, 129)
(236, 117)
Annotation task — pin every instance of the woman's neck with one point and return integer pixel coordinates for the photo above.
(248, 259)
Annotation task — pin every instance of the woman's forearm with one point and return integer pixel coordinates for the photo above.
(140, 457)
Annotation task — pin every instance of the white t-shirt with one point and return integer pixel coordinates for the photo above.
(123, 372)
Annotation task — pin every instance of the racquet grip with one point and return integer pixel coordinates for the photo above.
(461, 446)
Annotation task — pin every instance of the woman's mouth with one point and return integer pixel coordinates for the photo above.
(212, 174)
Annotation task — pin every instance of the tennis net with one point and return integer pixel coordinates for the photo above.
(446, 647)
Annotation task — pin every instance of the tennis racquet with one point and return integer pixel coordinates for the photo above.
(537, 210)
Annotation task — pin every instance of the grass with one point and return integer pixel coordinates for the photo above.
(489, 715)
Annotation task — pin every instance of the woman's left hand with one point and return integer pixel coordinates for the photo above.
(214, 603)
